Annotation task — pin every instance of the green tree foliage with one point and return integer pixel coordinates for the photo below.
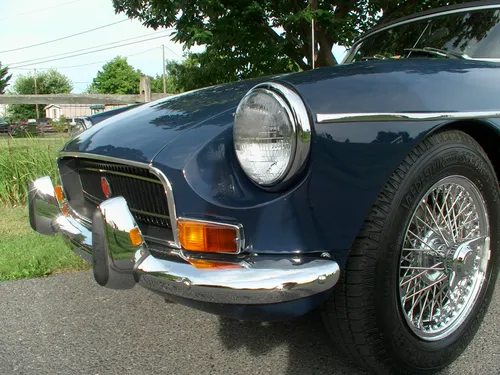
(253, 37)
(116, 77)
(208, 68)
(190, 74)
(61, 124)
(49, 82)
(156, 83)
(4, 78)
(91, 90)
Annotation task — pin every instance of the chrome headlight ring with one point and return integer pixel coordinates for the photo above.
(272, 134)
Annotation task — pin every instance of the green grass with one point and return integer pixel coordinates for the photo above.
(23, 160)
(25, 253)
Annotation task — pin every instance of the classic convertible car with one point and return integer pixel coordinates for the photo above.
(369, 190)
(83, 123)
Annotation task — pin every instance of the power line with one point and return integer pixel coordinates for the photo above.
(28, 69)
(86, 53)
(39, 10)
(99, 62)
(64, 37)
(81, 50)
(175, 53)
(87, 64)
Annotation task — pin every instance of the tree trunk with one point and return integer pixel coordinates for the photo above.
(325, 55)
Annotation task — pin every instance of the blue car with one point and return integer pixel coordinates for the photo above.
(369, 190)
(81, 124)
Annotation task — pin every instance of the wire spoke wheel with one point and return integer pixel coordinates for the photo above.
(444, 259)
(422, 270)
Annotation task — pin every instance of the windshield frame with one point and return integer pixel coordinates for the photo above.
(438, 12)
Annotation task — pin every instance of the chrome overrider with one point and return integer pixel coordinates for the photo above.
(118, 264)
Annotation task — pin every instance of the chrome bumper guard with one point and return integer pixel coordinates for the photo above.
(118, 264)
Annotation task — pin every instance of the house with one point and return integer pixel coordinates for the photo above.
(55, 111)
(3, 110)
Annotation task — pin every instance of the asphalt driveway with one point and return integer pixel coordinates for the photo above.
(67, 324)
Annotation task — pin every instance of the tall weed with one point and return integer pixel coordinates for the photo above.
(23, 160)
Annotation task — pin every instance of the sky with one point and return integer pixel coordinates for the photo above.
(27, 22)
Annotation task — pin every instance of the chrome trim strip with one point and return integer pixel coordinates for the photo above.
(164, 180)
(486, 59)
(323, 118)
(171, 204)
(240, 238)
(84, 155)
(122, 174)
(416, 19)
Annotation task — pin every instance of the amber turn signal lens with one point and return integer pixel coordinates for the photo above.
(207, 237)
(58, 190)
(208, 265)
(135, 237)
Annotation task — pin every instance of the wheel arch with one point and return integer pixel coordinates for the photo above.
(484, 132)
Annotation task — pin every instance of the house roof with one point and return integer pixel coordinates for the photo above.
(50, 106)
(67, 106)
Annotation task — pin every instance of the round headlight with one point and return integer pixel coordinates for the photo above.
(271, 134)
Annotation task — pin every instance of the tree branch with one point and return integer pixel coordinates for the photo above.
(289, 51)
(390, 11)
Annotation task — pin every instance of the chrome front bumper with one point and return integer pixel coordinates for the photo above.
(118, 264)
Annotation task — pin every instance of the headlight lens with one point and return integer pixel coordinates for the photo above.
(272, 134)
(264, 136)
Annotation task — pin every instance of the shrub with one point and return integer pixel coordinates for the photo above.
(60, 125)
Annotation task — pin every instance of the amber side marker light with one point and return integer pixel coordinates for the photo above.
(135, 237)
(208, 265)
(58, 190)
(207, 237)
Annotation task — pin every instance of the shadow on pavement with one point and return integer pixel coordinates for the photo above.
(310, 350)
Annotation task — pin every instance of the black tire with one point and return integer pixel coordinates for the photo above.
(364, 315)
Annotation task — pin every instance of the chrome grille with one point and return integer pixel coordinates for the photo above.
(142, 190)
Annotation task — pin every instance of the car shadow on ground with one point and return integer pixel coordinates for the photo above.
(310, 348)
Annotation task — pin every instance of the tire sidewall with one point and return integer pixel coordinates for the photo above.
(442, 160)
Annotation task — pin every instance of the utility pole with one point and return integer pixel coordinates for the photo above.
(164, 77)
(313, 42)
(36, 105)
(145, 89)
(313, 4)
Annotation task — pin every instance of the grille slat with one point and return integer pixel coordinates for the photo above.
(141, 189)
(144, 192)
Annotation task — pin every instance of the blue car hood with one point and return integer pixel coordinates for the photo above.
(377, 86)
(141, 133)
